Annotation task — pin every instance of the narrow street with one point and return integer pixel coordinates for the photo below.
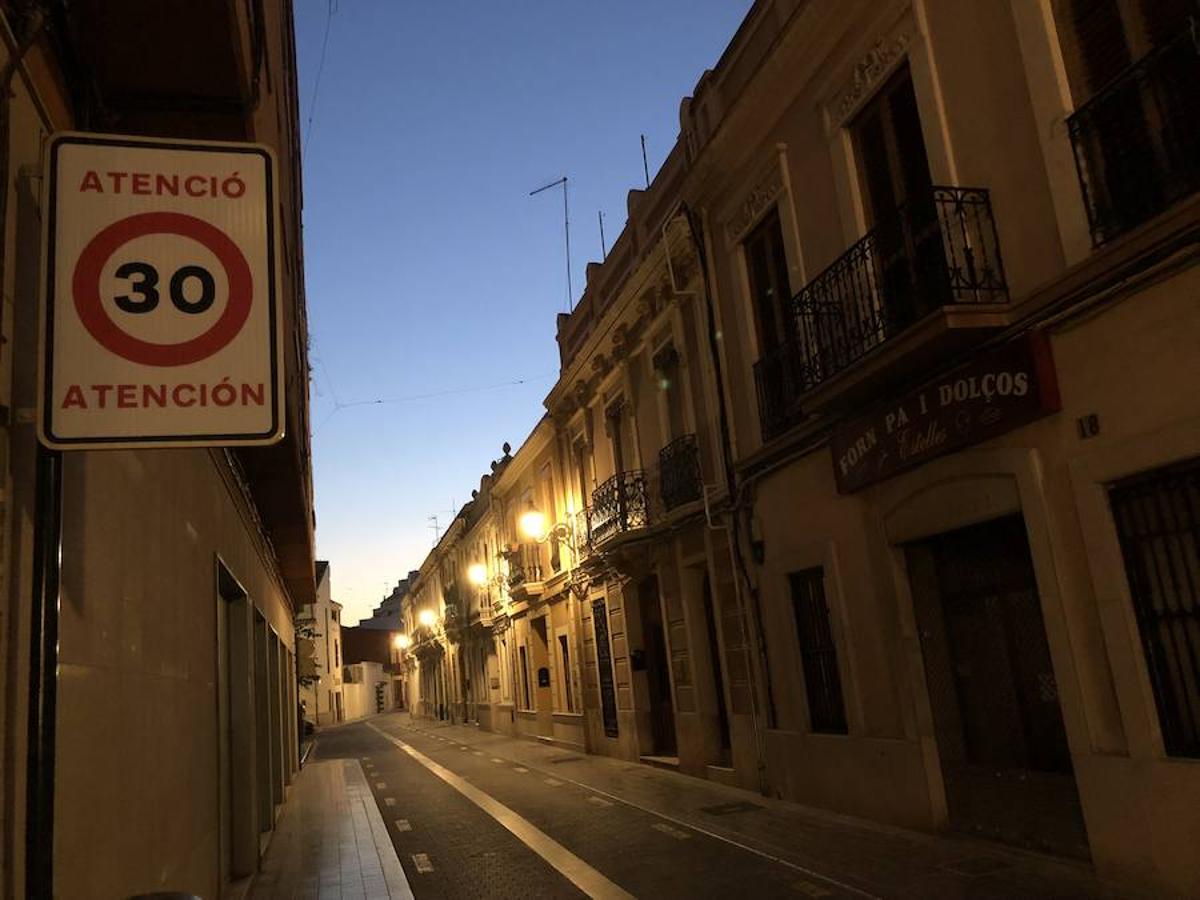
(474, 814)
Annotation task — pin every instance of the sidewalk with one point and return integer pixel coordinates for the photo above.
(331, 841)
(882, 860)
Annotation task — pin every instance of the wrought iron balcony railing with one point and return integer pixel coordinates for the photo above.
(619, 505)
(1137, 141)
(940, 249)
(583, 532)
(679, 478)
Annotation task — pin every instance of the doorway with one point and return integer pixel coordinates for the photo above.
(543, 692)
(996, 714)
(658, 676)
(714, 652)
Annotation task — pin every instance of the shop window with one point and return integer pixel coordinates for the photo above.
(818, 653)
(1158, 523)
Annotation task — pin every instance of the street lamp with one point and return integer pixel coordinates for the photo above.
(477, 574)
(426, 618)
(533, 525)
(401, 641)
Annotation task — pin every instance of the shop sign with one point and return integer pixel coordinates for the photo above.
(160, 316)
(999, 390)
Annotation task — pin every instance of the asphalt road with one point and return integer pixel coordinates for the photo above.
(475, 814)
(538, 833)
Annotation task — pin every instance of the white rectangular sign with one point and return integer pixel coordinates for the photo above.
(160, 314)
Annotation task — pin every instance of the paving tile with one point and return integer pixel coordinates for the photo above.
(326, 843)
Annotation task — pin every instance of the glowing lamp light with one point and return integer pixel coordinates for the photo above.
(477, 573)
(426, 618)
(401, 641)
(533, 525)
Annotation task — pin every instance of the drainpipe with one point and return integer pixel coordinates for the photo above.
(46, 549)
(744, 586)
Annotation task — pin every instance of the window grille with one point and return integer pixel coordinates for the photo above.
(818, 653)
(1158, 522)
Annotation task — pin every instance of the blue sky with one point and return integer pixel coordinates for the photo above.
(429, 268)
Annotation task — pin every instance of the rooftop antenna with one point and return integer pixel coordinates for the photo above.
(437, 529)
(603, 249)
(567, 230)
(645, 165)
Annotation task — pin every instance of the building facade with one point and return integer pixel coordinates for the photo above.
(166, 726)
(870, 479)
(320, 653)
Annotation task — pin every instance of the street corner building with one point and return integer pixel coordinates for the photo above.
(871, 479)
(154, 752)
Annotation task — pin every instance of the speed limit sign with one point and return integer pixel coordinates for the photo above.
(160, 313)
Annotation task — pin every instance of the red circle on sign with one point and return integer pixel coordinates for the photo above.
(86, 288)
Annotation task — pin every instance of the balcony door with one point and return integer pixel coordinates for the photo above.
(908, 265)
(1133, 67)
(767, 269)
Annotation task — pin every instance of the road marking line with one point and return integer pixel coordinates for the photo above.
(381, 785)
(403, 825)
(389, 801)
(477, 752)
(599, 801)
(673, 832)
(553, 782)
(464, 747)
(574, 869)
(421, 861)
(497, 759)
(520, 769)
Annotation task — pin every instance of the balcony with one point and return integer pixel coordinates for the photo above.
(620, 505)
(679, 476)
(525, 571)
(582, 523)
(938, 253)
(1137, 143)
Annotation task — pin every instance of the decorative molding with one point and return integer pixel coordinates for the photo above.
(755, 203)
(879, 61)
(621, 344)
(583, 393)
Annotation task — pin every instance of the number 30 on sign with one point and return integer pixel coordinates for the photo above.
(160, 314)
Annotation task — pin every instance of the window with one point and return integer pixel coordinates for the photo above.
(894, 169)
(615, 421)
(550, 508)
(504, 670)
(581, 472)
(1101, 38)
(770, 289)
(337, 654)
(891, 149)
(668, 373)
(1158, 523)
(567, 699)
(818, 653)
(527, 700)
(1132, 66)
